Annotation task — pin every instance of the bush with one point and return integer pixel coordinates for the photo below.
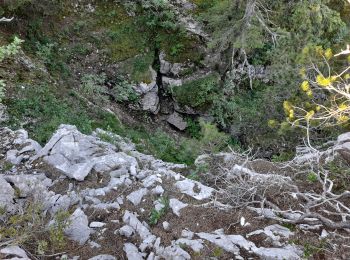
(92, 87)
(198, 93)
(26, 229)
(159, 15)
(5, 52)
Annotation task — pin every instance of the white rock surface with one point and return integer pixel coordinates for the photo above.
(76, 154)
(103, 257)
(78, 230)
(14, 251)
(196, 245)
(7, 195)
(97, 224)
(132, 253)
(126, 231)
(176, 206)
(136, 196)
(187, 186)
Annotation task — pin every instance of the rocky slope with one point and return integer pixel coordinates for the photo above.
(122, 204)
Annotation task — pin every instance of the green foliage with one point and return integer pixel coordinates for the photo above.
(5, 52)
(311, 250)
(197, 173)
(2, 89)
(312, 177)
(123, 91)
(46, 52)
(339, 173)
(176, 49)
(217, 252)
(212, 139)
(11, 49)
(158, 14)
(44, 112)
(199, 93)
(168, 149)
(26, 229)
(156, 215)
(7, 166)
(12, 5)
(56, 230)
(92, 87)
(140, 68)
(182, 150)
(106, 137)
(193, 128)
(290, 226)
(51, 55)
(243, 110)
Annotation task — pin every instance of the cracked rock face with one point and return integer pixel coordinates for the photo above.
(76, 154)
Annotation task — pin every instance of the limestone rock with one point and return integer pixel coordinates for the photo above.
(14, 251)
(177, 120)
(3, 113)
(96, 224)
(187, 186)
(196, 245)
(176, 206)
(103, 257)
(76, 154)
(136, 196)
(132, 253)
(7, 195)
(126, 231)
(150, 102)
(78, 230)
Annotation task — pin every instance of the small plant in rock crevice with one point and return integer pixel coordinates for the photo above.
(156, 215)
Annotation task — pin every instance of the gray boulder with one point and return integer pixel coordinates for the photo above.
(13, 251)
(76, 154)
(7, 194)
(78, 230)
(177, 120)
(3, 113)
(150, 102)
(177, 206)
(136, 196)
(132, 253)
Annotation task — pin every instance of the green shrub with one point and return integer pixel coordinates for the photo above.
(198, 172)
(11, 49)
(27, 229)
(123, 91)
(212, 139)
(158, 14)
(2, 89)
(53, 57)
(5, 52)
(312, 177)
(46, 52)
(198, 93)
(193, 128)
(92, 87)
